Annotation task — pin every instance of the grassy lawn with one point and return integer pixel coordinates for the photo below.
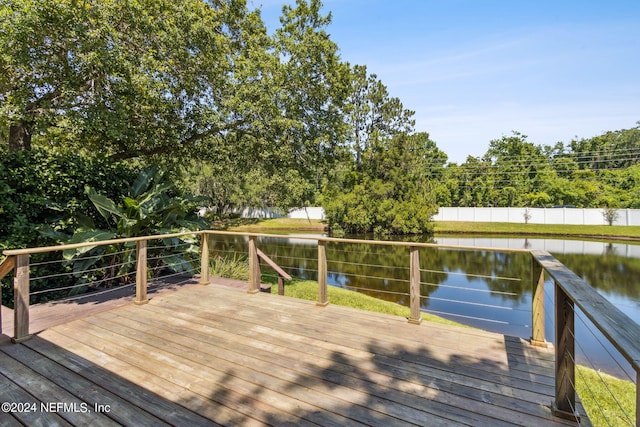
(445, 227)
(584, 231)
(271, 225)
(308, 290)
(597, 390)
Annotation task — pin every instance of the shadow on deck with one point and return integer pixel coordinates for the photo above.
(214, 355)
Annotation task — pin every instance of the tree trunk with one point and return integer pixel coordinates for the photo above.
(19, 137)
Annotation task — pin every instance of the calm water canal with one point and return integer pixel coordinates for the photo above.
(484, 289)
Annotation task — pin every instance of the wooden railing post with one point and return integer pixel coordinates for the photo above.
(279, 271)
(565, 403)
(323, 300)
(414, 286)
(141, 272)
(204, 259)
(21, 299)
(254, 267)
(6, 266)
(537, 306)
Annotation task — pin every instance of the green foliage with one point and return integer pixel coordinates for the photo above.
(608, 400)
(44, 190)
(225, 194)
(391, 194)
(597, 172)
(40, 188)
(372, 114)
(125, 78)
(169, 81)
(148, 209)
(236, 267)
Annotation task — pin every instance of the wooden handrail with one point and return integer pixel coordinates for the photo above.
(282, 275)
(30, 251)
(365, 242)
(7, 265)
(273, 265)
(621, 331)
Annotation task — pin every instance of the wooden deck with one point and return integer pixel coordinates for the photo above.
(214, 355)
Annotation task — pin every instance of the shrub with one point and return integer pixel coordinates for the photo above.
(41, 189)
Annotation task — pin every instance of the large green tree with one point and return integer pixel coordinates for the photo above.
(394, 191)
(129, 79)
(287, 155)
(372, 114)
(312, 86)
(166, 81)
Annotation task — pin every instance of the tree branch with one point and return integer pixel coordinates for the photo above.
(168, 147)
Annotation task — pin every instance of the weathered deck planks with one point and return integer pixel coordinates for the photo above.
(207, 355)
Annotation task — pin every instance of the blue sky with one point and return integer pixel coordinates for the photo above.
(474, 70)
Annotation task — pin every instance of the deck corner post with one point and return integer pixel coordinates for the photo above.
(254, 267)
(21, 299)
(537, 305)
(204, 259)
(414, 286)
(565, 398)
(141, 273)
(323, 299)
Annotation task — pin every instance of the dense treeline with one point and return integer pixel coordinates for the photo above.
(602, 171)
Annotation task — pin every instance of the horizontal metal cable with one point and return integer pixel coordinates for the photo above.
(376, 290)
(374, 253)
(605, 347)
(175, 246)
(79, 285)
(386, 267)
(487, 291)
(76, 273)
(235, 253)
(484, 276)
(575, 388)
(593, 396)
(468, 303)
(274, 257)
(374, 277)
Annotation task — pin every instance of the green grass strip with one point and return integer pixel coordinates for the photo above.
(581, 231)
(308, 290)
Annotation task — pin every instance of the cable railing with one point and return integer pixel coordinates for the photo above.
(412, 273)
(575, 299)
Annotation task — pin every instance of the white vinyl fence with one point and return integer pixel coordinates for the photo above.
(302, 213)
(535, 215)
(538, 215)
